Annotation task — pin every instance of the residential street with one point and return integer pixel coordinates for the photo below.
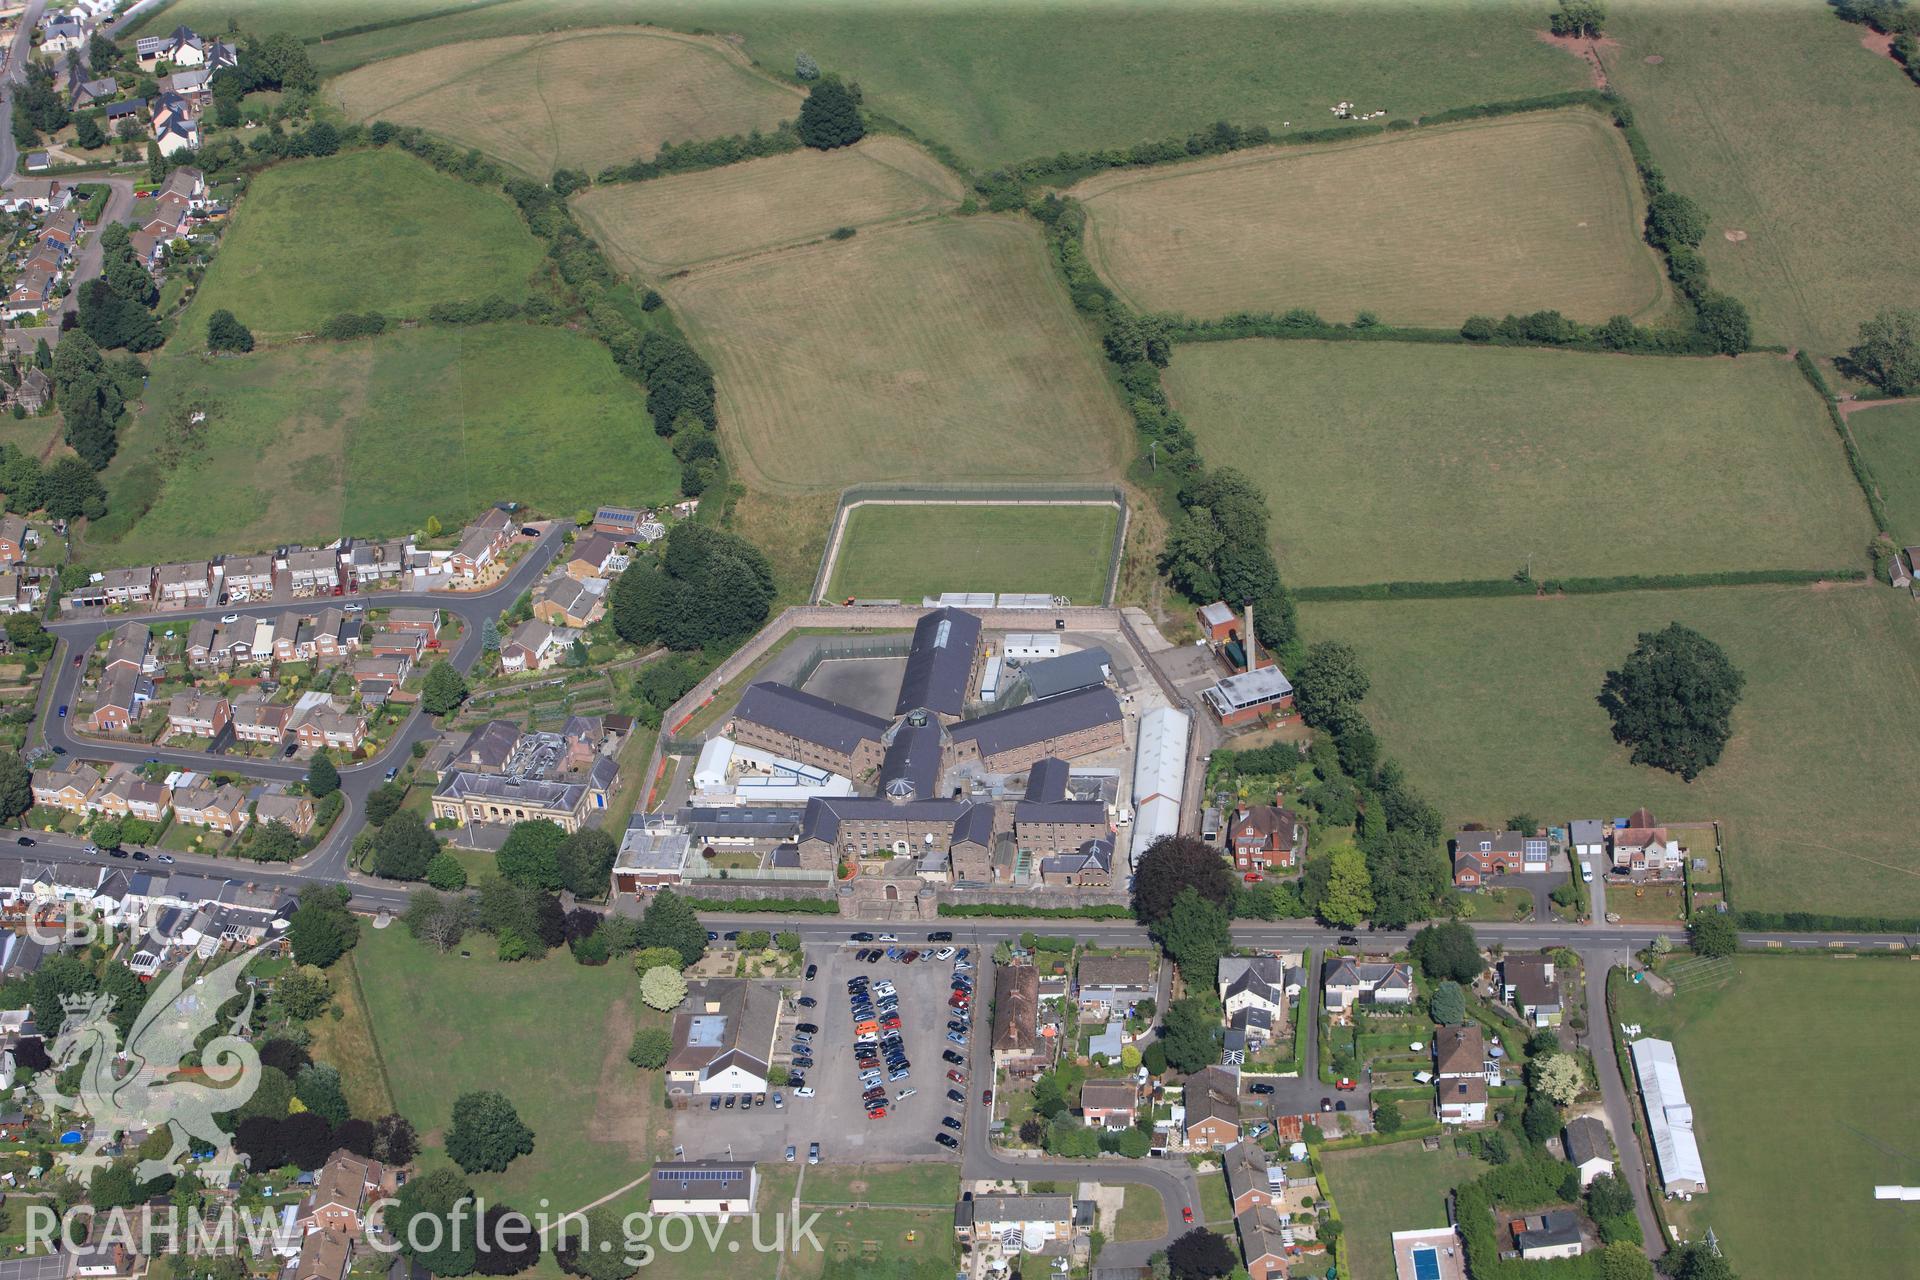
(357, 781)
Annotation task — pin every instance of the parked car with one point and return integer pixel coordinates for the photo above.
(813, 1154)
(986, 1097)
(946, 1140)
(1260, 1088)
(1186, 1213)
(1349, 940)
(950, 1056)
(790, 1153)
(812, 970)
(957, 1076)
(954, 1095)
(940, 935)
(950, 1122)
(1346, 1084)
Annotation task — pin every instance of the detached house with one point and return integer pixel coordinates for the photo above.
(535, 646)
(1109, 1104)
(570, 602)
(13, 539)
(346, 1186)
(593, 556)
(425, 621)
(124, 694)
(1462, 1072)
(1645, 851)
(1257, 982)
(1528, 984)
(1479, 855)
(1264, 836)
(1113, 984)
(1589, 1149)
(1212, 1104)
(1349, 982)
(481, 544)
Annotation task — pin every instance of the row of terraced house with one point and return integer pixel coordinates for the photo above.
(122, 791)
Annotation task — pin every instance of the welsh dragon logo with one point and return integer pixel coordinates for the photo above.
(148, 1084)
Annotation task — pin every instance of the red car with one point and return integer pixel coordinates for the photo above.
(986, 1097)
(1253, 877)
(878, 1113)
(957, 1076)
(1345, 1085)
(1186, 1213)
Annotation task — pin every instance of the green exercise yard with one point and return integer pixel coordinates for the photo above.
(363, 231)
(1490, 705)
(909, 551)
(550, 1034)
(1889, 438)
(316, 440)
(1393, 461)
(1799, 1071)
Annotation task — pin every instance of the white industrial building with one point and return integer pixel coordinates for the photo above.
(1029, 646)
(1159, 777)
(1669, 1118)
(727, 770)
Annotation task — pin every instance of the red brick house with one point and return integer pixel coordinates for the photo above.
(1262, 836)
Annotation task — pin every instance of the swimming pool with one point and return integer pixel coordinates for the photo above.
(72, 1138)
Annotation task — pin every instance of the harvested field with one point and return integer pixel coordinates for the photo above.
(939, 351)
(1427, 228)
(1490, 705)
(575, 99)
(1391, 461)
(1792, 133)
(679, 221)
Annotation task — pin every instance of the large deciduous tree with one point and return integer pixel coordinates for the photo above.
(1672, 700)
(1887, 352)
(528, 857)
(1195, 934)
(1448, 950)
(1348, 898)
(663, 988)
(444, 689)
(487, 1133)
(1329, 680)
(1201, 1255)
(830, 117)
(1171, 864)
(404, 848)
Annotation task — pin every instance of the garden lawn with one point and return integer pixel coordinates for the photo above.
(572, 99)
(858, 1244)
(1491, 706)
(550, 1034)
(906, 552)
(1391, 461)
(365, 231)
(942, 351)
(1399, 1187)
(1889, 438)
(687, 218)
(347, 1042)
(1747, 1050)
(1510, 215)
(1783, 127)
(1001, 82)
(1142, 1215)
(318, 440)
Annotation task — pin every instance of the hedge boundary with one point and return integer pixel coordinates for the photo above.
(1014, 911)
(1482, 588)
(1862, 473)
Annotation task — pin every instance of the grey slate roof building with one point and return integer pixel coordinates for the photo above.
(940, 663)
(1039, 721)
(810, 717)
(911, 767)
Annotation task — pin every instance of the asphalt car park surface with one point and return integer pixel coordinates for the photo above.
(835, 1116)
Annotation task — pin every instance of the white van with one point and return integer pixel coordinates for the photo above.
(1586, 872)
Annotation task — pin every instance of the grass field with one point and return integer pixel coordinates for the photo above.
(320, 439)
(365, 231)
(939, 351)
(920, 1185)
(1142, 1215)
(1889, 437)
(575, 99)
(1001, 81)
(1490, 705)
(552, 1035)
(907, 552)
(689, 218)
(1781, 125)
(348, 1043)
(1394, 1188)
(1394, 461)
(1747, 1050)
(1511, 215)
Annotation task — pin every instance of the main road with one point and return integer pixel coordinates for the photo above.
(327, 862)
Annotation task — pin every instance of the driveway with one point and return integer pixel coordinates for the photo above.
(1613, 1092)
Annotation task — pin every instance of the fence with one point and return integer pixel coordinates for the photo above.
(1010, 493)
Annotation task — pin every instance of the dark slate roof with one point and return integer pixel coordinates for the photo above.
(911, 770)
(1094, 854)
(1554, 1227)
(825, 813)
(1038, 721)
(1060, 811)
(940, 663)
(809, 718)
(1052, 677)
(975, 825)
(1047, 780)
(1587, 1140)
